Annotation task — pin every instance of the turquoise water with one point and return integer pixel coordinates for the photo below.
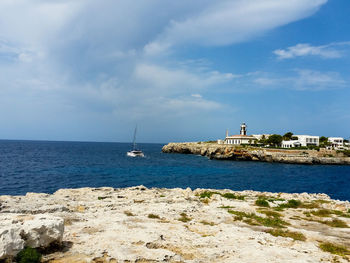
(39, 166)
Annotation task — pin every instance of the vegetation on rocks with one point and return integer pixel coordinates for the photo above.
(335, 223)
(28, 255)
(184, 218)
(209, 194)
(262, 202)
(128, 213)
(253, 219)
(286, 233)
(334, 249)
(153, 216)
(180, 217)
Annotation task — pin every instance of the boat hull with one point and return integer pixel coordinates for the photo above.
(135, 154)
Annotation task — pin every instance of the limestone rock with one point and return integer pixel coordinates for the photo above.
(231, 152)
(140, 224)
(18, 231)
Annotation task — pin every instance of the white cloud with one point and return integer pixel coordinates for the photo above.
(325, 51)
(315, 80)
(228, 22)
(303, 80)
(199, 96)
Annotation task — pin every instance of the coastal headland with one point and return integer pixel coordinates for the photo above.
(250, 153)
(139, 224)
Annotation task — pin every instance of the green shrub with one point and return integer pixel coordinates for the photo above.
(262, 202)
(28, 255)
(207, 194)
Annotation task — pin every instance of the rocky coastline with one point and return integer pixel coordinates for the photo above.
(139, 224)
(228, 152)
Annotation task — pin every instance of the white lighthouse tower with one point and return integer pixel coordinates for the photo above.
(242, 138)
(243, 129)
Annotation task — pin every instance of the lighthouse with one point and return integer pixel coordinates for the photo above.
(243, 129)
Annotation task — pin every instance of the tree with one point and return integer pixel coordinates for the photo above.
(323, 139)
(275, 139)
(263, 140)
(288, 136)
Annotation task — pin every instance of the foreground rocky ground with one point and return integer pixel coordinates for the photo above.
(175, 225)
(250, 153)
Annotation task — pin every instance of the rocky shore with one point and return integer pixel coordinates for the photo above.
(228, 152)
(138, 224)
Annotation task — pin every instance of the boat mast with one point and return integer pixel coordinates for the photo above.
(134, 140)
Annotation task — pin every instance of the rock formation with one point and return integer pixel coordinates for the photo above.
(20, 230)
(229, 152)
(177, 225)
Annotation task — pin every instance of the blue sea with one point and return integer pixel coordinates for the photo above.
(45, 166)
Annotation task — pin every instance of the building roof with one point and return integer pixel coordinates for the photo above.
(241, 137)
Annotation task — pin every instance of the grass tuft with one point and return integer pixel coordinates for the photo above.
(232, 196)
(184, 218)
(335, 223)
(291, 204)
(205, 200)
(253, 219)
(207, 194)
(207, 223)
(282, 233)
(273, 199)
(226, 207)
(270, 213)
(334, 249)
(128, 213)
(322, 213)
(271, 222)
(309, 205)
(153, 216)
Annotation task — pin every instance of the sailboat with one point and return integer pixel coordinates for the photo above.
(135, 152)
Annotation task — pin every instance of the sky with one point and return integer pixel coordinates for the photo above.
(89, 70)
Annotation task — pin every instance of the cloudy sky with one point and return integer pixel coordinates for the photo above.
(181, 70)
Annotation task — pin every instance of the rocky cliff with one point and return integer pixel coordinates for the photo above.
(138, 224)
(227, 152)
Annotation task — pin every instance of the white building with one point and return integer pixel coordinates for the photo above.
(302, 140)
(290, 144)
(261, 136)
(242, 138)
(337, 142)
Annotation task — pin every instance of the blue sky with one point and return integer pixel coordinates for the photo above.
(182, 70)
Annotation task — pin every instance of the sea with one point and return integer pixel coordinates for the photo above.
(46, 166)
